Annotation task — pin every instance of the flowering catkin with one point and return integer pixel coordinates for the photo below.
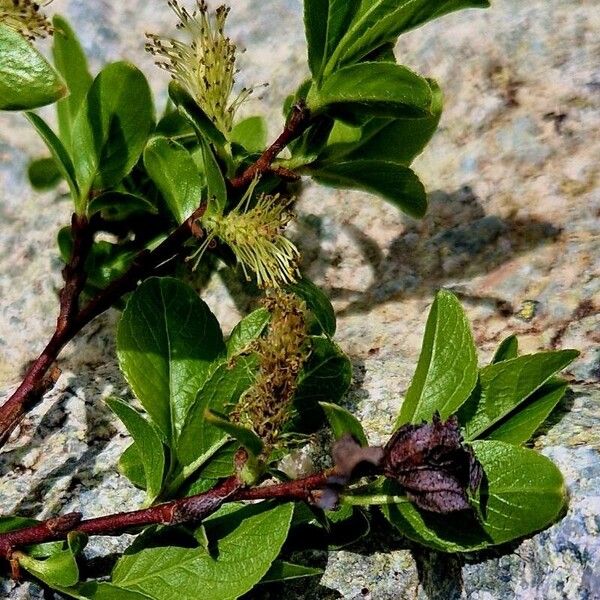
(205, 65)
(25, 17)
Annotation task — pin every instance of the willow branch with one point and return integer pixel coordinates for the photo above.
(296, 125)
(185, 510)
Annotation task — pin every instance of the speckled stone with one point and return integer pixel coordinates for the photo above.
(513, 228)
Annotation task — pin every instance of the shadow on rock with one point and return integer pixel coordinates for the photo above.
(455, 240)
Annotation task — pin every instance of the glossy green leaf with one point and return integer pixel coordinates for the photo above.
(246, 437)
(111, 128)
(325, 23)
(282, 570)
(251, 133)
(116, 206)
(396, 140)
(504, 386)
(92, 590)
(447, 369)
(60, 569)
(147, 443)
(200, 439)
(167, 341)
(247, 331)
(326, 375)
(342, 422)
(175, 174)
(377, 89)
(525, 493)
(71, 63)
(43, 174)
(57, 150)
(199, 120)
(393, 182)
(217, 190)
(248, 540)
(131, 466)
(508, 349)
(319, 306)
(27, 81)
(378, 22)
(518, 426)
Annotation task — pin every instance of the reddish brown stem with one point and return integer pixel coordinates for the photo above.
(35, 382)
(71, 320)
(296, 125)
(186, 510)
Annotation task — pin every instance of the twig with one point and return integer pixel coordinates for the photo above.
(186, 510)
(296, 125)
(35, 383)
(71, 321)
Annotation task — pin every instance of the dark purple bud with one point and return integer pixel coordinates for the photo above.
(433, 465)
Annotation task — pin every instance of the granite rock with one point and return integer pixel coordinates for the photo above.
(513, 228)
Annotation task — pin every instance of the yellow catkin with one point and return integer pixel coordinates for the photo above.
(205, 65)
(26, 17)
(255, 235)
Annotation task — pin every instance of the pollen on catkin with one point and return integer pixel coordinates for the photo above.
(255, 235)
(268, 405)
(205, 65)
(25, 17)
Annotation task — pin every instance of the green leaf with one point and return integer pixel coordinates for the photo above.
(378, 22)
(374, 88)
(71, 63)
(326, 375)
(116, 206)
(393, 182)
(248, 540)
(200, 121)
(318, 304)
(27, 81)
(57, 150)
(92, 590)
(518, 426)
(111, 128)
(246, 437)
(12, 523)
(217, 190)
(131, 466)
(43, 174)
(325, 23)
(148, 445)
(525, 493)
(342, 422)
(251, 133)
(284, 571)
(447, 369)
(174, 172)
(167, 340)
(200, 439)
(60, 569)
(508, 348)
(504, 386)
(396, 140)
(247, 331)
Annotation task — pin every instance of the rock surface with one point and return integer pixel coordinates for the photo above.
(513, 228)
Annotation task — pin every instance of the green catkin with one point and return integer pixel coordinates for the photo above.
(268, 405)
